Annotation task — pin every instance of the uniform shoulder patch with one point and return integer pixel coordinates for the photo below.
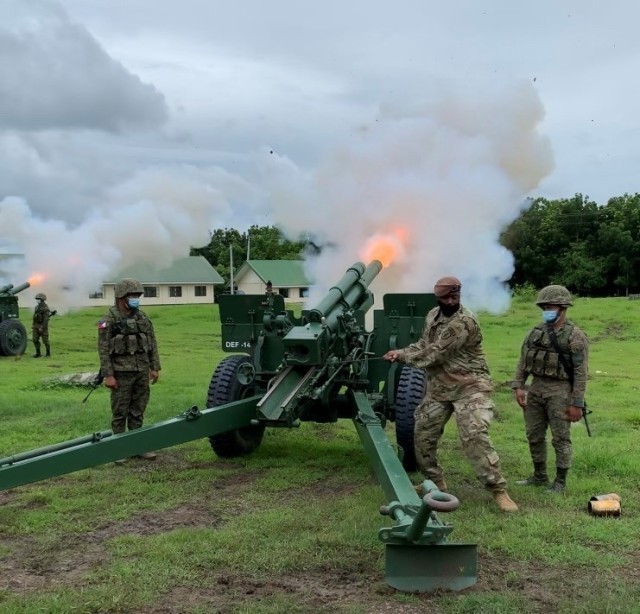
(102, 324)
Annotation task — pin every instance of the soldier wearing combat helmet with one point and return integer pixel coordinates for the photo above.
(458, 384)
(40, 325)
(555, 354)
(129, 358)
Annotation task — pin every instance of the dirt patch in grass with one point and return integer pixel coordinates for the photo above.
(615, 330)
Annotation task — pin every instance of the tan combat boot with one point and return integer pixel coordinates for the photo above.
(440, 484)
(504, 501)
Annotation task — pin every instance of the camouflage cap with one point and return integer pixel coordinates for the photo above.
(41, 295)
(128, 286)
(447, 286)
(554, 295)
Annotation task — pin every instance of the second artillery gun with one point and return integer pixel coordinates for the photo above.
(321, 367)
(13, 334)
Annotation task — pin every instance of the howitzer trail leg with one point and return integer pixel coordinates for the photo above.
(418, 557)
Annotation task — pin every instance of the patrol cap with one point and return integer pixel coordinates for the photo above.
(447, 286)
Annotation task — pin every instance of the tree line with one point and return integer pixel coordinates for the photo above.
(593, 250)
(257, 243)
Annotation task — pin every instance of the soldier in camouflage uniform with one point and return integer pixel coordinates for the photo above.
(552, 401)
(40, 326)
(129, 358)
(458, 384)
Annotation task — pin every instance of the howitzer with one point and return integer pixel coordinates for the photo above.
(11, 290)
(320, 367)
(13, 334)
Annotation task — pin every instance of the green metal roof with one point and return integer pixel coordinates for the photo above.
(189, 270)
(282, 273)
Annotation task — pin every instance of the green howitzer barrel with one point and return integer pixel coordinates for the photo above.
(11, 290)
(330, 323)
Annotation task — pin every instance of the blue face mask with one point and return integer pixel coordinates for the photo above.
(549, 316)
(133, 303)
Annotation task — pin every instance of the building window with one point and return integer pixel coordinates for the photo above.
(284, 292)
(304, 292)
(150, 291)
(201, 290)
(98, 294)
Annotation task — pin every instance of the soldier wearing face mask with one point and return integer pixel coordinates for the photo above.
(555, 354)
(129, 358)
(458, 384)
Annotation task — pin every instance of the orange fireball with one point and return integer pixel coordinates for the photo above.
(36, 278)
(386, 248)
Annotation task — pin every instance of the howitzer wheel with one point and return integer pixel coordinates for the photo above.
(225, 387)
(412, 385)
(13, 338)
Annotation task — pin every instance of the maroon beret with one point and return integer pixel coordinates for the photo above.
(446, 286)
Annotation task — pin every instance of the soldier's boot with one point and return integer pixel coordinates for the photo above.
(48, 350)
(37, 354)
(441, 484)
(560, 483)
(539, 477)
(504, 501)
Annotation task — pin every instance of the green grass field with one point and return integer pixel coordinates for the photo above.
(293, 528)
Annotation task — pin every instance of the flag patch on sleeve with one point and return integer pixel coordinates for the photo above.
(102, 324)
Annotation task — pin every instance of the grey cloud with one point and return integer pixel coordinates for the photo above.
(54, 74)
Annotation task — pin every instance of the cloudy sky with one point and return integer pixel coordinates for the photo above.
(131, 128)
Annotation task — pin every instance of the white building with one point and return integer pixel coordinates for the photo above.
(187, 281)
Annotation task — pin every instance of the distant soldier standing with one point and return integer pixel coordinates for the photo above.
(40, 329)
(555, 353)
(458, 384)
(129, 358)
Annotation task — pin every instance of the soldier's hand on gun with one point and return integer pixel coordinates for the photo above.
(574, 413)
(153, 376)
(110, 381)
(521, 397)
(392, 356)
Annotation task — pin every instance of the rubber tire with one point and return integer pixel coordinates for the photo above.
(13, 338)
(412, 385)
(225, 388)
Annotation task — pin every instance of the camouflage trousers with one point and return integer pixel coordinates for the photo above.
(550, 412)
(129, 400)
(473, 415)
(38, 333)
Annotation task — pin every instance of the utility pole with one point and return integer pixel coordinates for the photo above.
(231, 268)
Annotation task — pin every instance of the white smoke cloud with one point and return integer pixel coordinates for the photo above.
(447, 174)
(154, 218)
(440, 176)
